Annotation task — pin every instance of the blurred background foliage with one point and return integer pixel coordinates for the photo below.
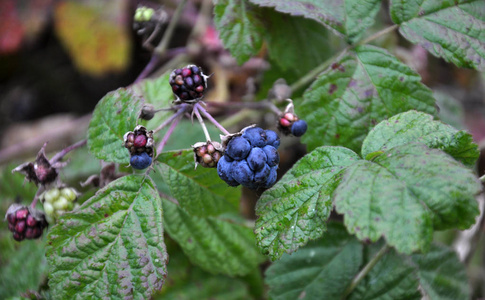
(58, 58)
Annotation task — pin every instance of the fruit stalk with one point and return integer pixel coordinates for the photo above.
(210, 118)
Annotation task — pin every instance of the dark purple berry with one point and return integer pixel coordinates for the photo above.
(299, 128)
(186, 72)
(20, 226)
(140, 161)
(272, 155)
(31, 222)
(238, 148)
(195, 69)
(272, 138)
(189, 81)
(197, 79)
(256, 159)
(242, 173)
(224, 171)
(184, 96)
(178, 71)
(256, 136)
(18, 237)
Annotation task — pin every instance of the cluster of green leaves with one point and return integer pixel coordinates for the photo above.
(401, 175)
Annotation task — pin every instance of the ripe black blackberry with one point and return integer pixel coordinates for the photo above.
(188, 83)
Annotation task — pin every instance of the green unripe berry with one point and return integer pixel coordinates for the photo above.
(51, 195)
(61, 203)
(69, 194)
(48, 208)
(143, 14)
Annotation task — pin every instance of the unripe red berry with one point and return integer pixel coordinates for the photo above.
(31, 222)
(20, 226)
(21, 213)
(284, 122)
(186, 72)
(140, 141)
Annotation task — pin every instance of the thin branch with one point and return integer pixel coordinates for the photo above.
(181, 110)
(66, 150)
(40, 190)
(202, 124)
(162, 46)
(365, 270)
(210, 118)
(168, 134)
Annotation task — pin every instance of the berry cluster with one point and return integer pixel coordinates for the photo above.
(58, 201)
(24, 222)
(251, 159)
(140, 144)
(290, 123)
(188, 83)
(207, 154)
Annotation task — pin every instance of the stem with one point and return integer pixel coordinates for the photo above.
(365, 270)
(36, 197)
(149, 68)
(168, 134)
(66, 150)
(211, 119)
(265, 104)
(305, 80)
(202, 124)
(162, 46)
(182, 109)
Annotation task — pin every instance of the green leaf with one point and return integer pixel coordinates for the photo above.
(115, 114)
(391, 278)
(214, 244)
(186, 281)
(441, 275)
(452, 30)
(112, 246)
(25, 269)
(413, 126)
(157, 92)
(349, 18)
(450, 109)
(321, 270)
(296, 208)
(239, 26)
(296, 44)
(364, 87)
(199, 191)
(405, 193)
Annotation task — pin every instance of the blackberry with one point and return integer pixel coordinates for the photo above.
(188, 83)
(140, 161)
(289, 123)
(251, 159)
(25, 222)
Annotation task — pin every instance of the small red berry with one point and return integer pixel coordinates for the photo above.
(284, 122)
(31, 222)
(199, 89)
(186, 72)
(140, 141)
(22, 213)
(20, 226)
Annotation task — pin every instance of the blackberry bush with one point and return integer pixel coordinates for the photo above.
(377, 171)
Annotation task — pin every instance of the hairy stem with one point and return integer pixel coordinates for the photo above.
(265, 104)
(202, 124)
(210, 118)
(305, 80)
(365, 270)
(66, 150)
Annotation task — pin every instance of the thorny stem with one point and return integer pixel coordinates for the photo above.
(66, 150)
(265, 104)
(168, 133)
(305, 80)
(162, 46)
(180, 111)
(365, 270)
(202, 124)
(37, 195)
(210, 118)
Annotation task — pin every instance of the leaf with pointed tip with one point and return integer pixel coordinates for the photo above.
(296, 208)
(114, 115)
(199, 191)
(405, 193)
(349, 18)
(441, 275)
(214, 244)
(414, 126)
(361, 89)
(321, 270)
(112, 246)
(239, 26)
(453, 30)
